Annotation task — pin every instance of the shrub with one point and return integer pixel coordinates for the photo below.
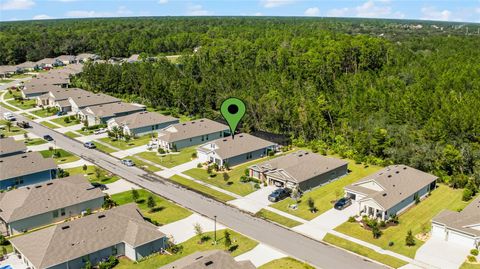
(3, 240)
(199, 165)
(467, 194)
(390, 244)
(244, 179)
(161, 150)
(66, 120)
(383, 224)
(394, 219)
(194, 155)
(376, 232)
(474, 252)
(351, 219)
(409, 239)
(246, 172)
(256, 186)
(311, 205)
(471, 258)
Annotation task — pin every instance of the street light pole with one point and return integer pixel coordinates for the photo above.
(215, 229)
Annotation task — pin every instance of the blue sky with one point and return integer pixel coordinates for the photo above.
(444, 10)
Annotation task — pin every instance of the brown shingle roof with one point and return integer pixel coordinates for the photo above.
(111, 109)
(67, 241)
(8, 145)
(243, 143)
(24, 164)
(189, 129)
(93, 99)
(143, 119)
(464, 220)
(210, 259)
(42, 198)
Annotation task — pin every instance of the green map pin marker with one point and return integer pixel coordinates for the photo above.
(233, 110)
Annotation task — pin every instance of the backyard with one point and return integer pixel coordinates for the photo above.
(99, 175)
(123, 145)
(164, 212)
(201, 188)
(324, 195)
(240, 245)
(171, 159)
(62, 157)
(416, 219)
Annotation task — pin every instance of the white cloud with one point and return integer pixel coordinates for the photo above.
(197, 10)
(16, 4)
(41, 17)
(121, 11)
(258, 14)
(312, 11)
(161, 2)
(431, 13)
(276, 3)
(369, 9)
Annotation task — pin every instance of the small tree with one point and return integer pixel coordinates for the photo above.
(228, 239)
(4, 251)
(135, 195)
(209, 169)
(98, 172)
(226, 177)
(215, 166)
(226, 165)
(409, 239)
(84, 168)
(194, 155)
(108, 203)
(8, 124)
(198, 231)
(127, 138)
(151, 203)
(311, 205)
(246, 172)
(3, 240)
(376, 231)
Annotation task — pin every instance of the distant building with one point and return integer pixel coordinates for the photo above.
(210, 259)
(58, 97)
(85, 57)
(67, 59)
(141, 123)
(48, 63)
(39, 205)
(9, 147)
(301, 169)
(7, 70)
(100, 114)
(191, 133)
(236, 151)
(121, 231)
(43, 84)
(26, 66)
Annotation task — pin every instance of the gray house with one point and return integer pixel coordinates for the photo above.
(141, 123)
(58, 97)
(39, 86)
(211, 259)
(121, 231)
(301, 169)
(9, 147)
(390, 191)
(191, 133)
(100, 114)
(25, 169)
(67, 59)
(39, 205)
(236, 151)
(78, 103)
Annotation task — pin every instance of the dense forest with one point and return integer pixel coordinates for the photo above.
(376, 91)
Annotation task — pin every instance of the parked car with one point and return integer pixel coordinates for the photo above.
(100, 186)
(23, 124)
(61, 113)
(279, 194)
(48, 138)
(343, 203)
(9, 116)
(100, 131)
(128, 162)
(89, 145)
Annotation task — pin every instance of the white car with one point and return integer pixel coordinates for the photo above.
(9, 116)
(100, 131)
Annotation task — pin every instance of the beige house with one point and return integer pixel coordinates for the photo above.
(78, 103)
(58, 97)
(210, 259)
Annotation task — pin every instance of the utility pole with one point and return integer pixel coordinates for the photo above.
(215, 229)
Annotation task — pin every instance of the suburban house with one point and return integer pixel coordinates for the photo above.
(85, 57)
(7, 70)
(141, 123)
(121, 231)
(25, 169)
(35, 88)
(301, 169)
(48, 63)
(9, 147)
(236, 151)
(390, 191)
(211, 259)
(78, 103)
(26, 66)
(461, 228)
(67, 59)
(58, 97)
(100, 114)
(38, 205)
(191, 133)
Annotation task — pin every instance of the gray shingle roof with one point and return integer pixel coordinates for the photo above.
(211, 259)
(464, 220)
(66, 58)
(299, 166)
(243, 143)
(93, 99)
(189, 129)
(111, 109)
(42, 198)
(24, 164)
(143, 119)
(398, 183)
(63, 93)
(39, 86)
(67, 241)
(27, 64)
(46, 61)
(8, 145)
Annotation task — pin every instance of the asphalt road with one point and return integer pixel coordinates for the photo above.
(287, 241)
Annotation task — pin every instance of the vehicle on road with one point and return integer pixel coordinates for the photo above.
(99, 186)
(128, 162)
(48, 138)
(100, 131)
(89, 145)
(279, 194)
(23, 124)
(9, 116)
(61, 113)
(343, 203)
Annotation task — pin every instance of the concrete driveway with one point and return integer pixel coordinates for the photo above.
(442, 254)
(261, 255)
(319, 226)
(119, 186)
(255, 201)
(182, 230)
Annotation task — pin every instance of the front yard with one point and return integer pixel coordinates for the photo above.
(267, 214)
(203, 189)
(45, 112)
(286, 263)
(171, 159)
(416, 219)
(94, 174)
(104, 148)
(141, 164)
(14, 130)
(240, 245)
(164, 212)
(34, 141)
(123, 145)
(66, 121)
(324, 195)
(62, 157)
(23, 104)
(49, 125)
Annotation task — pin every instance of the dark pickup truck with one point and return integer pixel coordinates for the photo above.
(23, 124)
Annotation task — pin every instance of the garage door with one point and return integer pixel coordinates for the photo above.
(202, 157)
(460, 239)
(438, 231)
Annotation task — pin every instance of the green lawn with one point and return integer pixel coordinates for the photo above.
(277, 218)
(8, 247)
(286, 263)
(49, 125)
(414, 218)
(200, 188)
(325, 195)
(364, 251)
(242, 243)
(71, 134)
(14, 130)
(104, 176)
(121, 144)
(104, 148)
(5, 81)
(169, 160)
(141, 164)
(466, 265)
(166, 211)
(15, 93)
(11, 108)
(61, 121)
(34, 141)
(85, 132)
(43, 113)
(23, 104)
(28, 116)
(65, 156)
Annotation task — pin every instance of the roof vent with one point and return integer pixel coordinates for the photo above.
(201, 120)
(65, 227)
(224, 140)
(198, 258)
(385, 194)
(101, 216)
(184, 124)
(241, 135)
(49, 184)
(300, 155)
(24, 156)
(389, 175)
(405, 168)
(38, 187)
(208, 263)
(396, 172)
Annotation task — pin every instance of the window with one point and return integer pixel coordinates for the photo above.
(55, 214)
(114, 251)
(202, 138)
(18, 181)
(62, 211)
(206, 137)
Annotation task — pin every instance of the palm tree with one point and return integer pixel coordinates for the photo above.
(116, 132)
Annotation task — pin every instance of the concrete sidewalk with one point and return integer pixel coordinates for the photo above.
(261, 255)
